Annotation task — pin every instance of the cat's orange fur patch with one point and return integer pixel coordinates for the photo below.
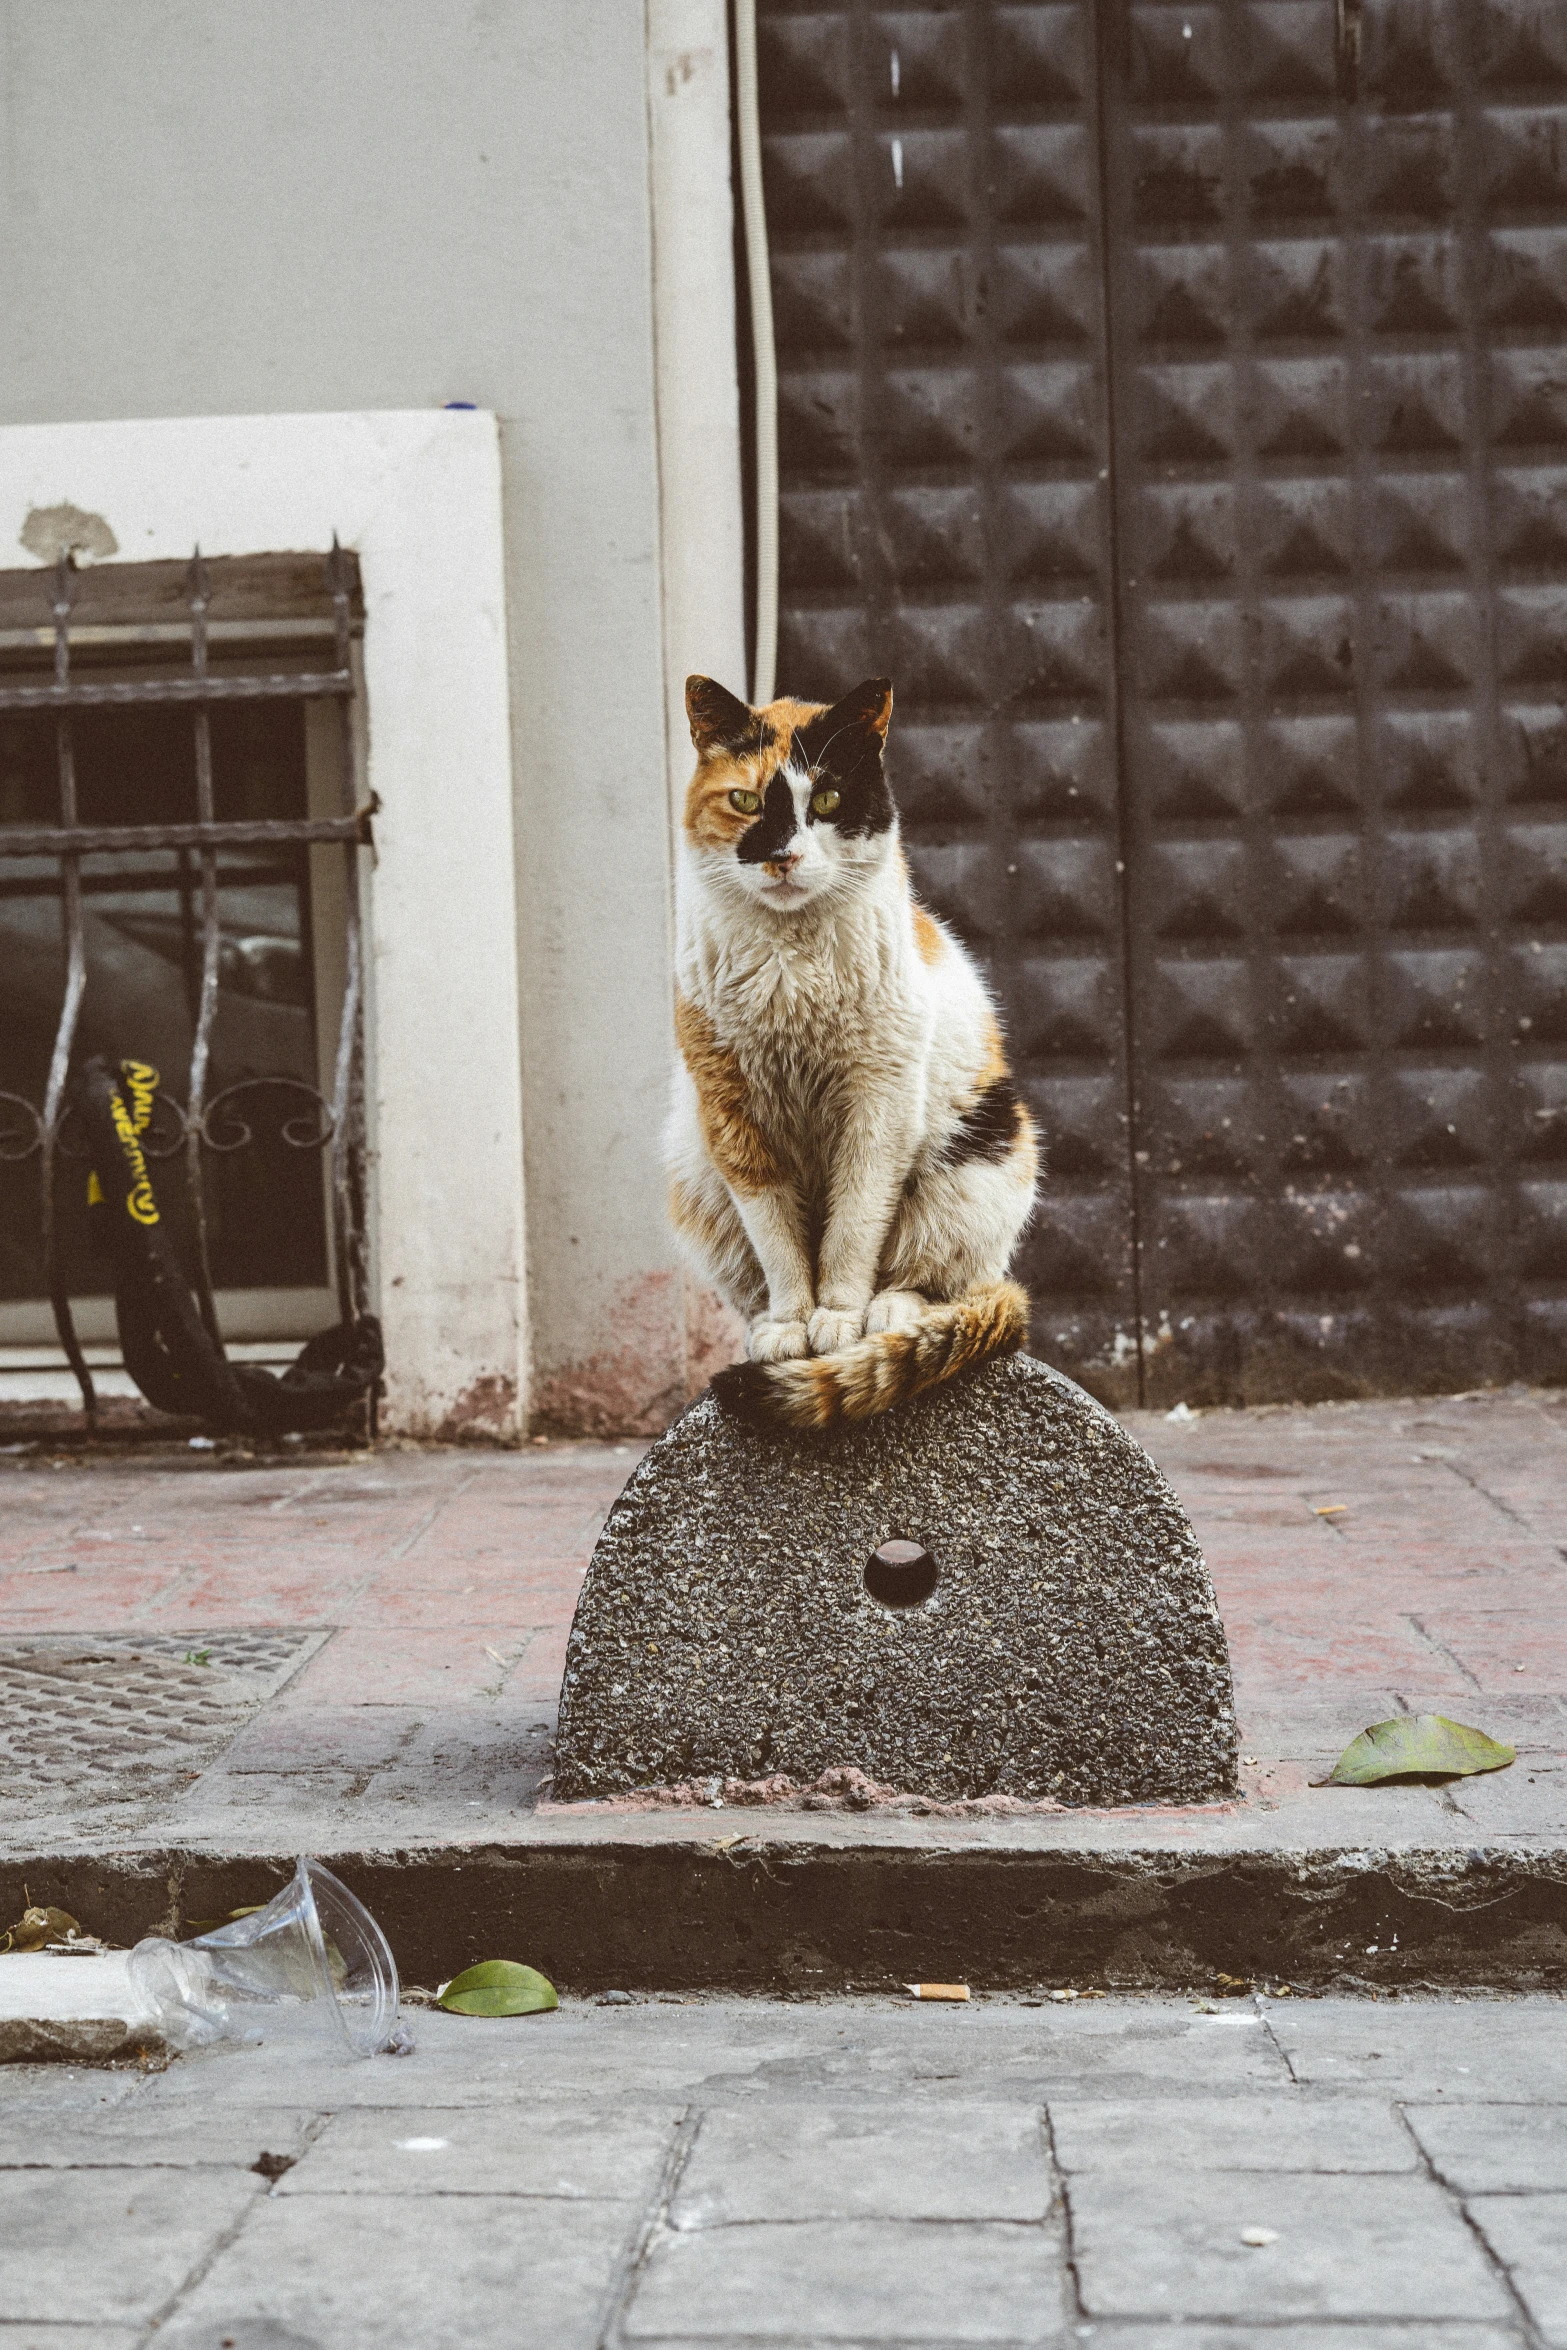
(995, 1062)
(735, 1143)
(1025, 1145)
(876, 1373)
(928, 939)
(709, 819)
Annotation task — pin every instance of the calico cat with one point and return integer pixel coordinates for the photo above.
(848, 1161)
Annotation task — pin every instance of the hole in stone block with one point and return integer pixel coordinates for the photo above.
(901, 1574)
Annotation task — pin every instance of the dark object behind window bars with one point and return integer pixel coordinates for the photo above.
(341, 1121)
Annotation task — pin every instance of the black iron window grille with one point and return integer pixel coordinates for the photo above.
(208, 1125)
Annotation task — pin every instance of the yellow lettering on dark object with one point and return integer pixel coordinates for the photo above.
(142, 1080)
(139, 1202)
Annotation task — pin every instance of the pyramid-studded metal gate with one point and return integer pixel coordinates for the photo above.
(1173, 401)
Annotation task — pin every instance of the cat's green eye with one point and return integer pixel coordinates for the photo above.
(746, 801)
(823, 803)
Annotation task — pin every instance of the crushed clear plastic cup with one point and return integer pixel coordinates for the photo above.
(312, 1963)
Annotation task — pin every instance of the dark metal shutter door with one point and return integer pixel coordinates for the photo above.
(933, 196)
(1340, 395)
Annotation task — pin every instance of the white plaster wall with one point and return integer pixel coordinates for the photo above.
(348, 204)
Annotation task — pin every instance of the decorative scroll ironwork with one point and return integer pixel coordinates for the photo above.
(203, 1126)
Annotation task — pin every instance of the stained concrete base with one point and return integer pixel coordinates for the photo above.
(1064, 1641)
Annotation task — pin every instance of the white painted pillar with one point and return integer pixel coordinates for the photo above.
(698, 393)
(694, 341)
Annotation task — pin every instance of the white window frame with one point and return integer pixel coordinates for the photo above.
(417, 496)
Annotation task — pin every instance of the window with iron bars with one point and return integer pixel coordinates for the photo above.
(179, 884)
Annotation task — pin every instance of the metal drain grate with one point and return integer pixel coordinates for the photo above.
(121, 1709)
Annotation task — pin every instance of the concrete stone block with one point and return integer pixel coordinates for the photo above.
(1528, 2234)
(853, 2281)
(1509, 2049)
(1070, 1646)
(137, 2137)
(1494, 2149)
(360, 2272)
(501, 2150)
(89, 2247)
(1284, 2133)
(903, 2161)
(1157, 2245)
(1464, 2335)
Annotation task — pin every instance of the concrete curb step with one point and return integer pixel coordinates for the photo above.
(76, 2010)
(802, 1912)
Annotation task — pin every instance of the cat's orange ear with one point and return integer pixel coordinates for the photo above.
(719, 720)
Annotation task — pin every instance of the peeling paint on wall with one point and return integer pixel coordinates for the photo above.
(52, 531)
(484, 1413)
(632, 1387)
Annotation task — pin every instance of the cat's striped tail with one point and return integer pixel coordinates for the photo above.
(876, 1373)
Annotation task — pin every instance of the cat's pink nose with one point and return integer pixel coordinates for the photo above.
(781, 867)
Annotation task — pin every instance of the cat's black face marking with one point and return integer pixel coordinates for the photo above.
(774, 829)
(989, 1129)
(843, 750)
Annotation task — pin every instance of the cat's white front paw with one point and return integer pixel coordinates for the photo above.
(777, 1342)
(894, 1309)
(832, 1329)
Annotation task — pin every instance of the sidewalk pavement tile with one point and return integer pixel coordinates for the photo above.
(1150, 2245)
(1494, 2149)
(615, 2157)
(1457, 2334)
(903, 2162)
(136, 2137)
(371, 1665)
(1528, 2234)
(1291, 2132)
(86, 2246)
(52, 2337)
(361, 2273)
(1507, 2049)
(853, 2281)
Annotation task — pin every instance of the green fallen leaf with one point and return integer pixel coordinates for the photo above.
(1416, 1746)
(210, 1925)
(498, 1986)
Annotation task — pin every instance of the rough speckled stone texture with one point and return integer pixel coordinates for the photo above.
(1071, 1648)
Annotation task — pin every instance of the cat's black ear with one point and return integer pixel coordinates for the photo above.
(854, 728)
(719, 720)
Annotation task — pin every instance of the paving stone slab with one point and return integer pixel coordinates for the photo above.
(745, 2052)
(903, 2162)
(95, 2246)
(1289, 2132)
(1063, 1641)
(133, 2137)
(520, 2150)
(1528, 2234)
(853, 2281)
(1420, 2334)
(51, 2337)
(1485, 2149)
(1158, 2246)
(1505, 2049)
(336, 2273)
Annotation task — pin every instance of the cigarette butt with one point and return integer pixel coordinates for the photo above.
(1331, 1509)
(939, 1990)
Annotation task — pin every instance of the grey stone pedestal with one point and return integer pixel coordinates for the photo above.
(1069, 1647)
